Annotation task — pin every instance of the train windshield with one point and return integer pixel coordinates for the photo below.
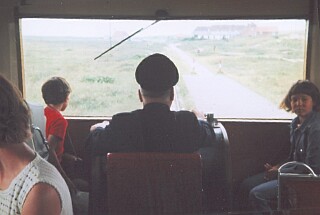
(232, 68)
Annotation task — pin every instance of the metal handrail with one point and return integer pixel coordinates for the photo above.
(312, 174)
(44, 141)
(297, 163)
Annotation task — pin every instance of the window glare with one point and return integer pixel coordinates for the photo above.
(232, 68)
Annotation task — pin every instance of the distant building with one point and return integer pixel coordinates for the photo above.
(226, 32)
(267, 30)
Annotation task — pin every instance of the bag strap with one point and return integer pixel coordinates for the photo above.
(70, 144)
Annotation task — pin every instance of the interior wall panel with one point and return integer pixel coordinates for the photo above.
(176, 9)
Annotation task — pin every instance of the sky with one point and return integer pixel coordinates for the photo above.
(103, 28)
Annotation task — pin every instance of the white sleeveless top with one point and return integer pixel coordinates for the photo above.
(38, 170)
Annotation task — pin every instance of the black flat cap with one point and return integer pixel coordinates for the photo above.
(157, 73)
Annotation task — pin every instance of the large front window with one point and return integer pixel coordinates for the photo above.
(234, 69)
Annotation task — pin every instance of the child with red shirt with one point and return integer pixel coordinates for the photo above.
(56, 126)
(55, 93)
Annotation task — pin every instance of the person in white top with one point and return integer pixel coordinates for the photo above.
(28, 184)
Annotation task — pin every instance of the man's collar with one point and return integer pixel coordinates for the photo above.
(156, 105)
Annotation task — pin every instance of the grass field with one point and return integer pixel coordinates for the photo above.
(267, 65)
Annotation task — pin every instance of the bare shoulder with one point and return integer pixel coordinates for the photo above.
(42, 199)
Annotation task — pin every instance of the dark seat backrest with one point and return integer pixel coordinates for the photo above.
(299, 193)
(148, 183)
(217, 179)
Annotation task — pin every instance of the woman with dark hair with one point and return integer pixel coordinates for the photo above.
(303, 99)
(28, 184)
(302, 87)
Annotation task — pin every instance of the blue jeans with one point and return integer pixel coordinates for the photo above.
(262, 196)
(241, 201)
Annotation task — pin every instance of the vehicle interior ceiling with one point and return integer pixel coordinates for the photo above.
(250, 139)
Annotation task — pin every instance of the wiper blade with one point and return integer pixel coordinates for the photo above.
(112, 47)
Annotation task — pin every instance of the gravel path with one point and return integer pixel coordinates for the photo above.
(218, 94)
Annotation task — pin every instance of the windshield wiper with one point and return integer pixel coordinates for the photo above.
(112, 47)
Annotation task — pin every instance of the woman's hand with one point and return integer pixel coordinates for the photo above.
(271, 172)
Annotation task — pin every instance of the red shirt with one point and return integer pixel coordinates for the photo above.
(56, 125)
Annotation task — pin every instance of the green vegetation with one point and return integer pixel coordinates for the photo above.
(99, 87)
(268, 65)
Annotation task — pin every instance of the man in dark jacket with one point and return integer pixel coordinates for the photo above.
(155, 128)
